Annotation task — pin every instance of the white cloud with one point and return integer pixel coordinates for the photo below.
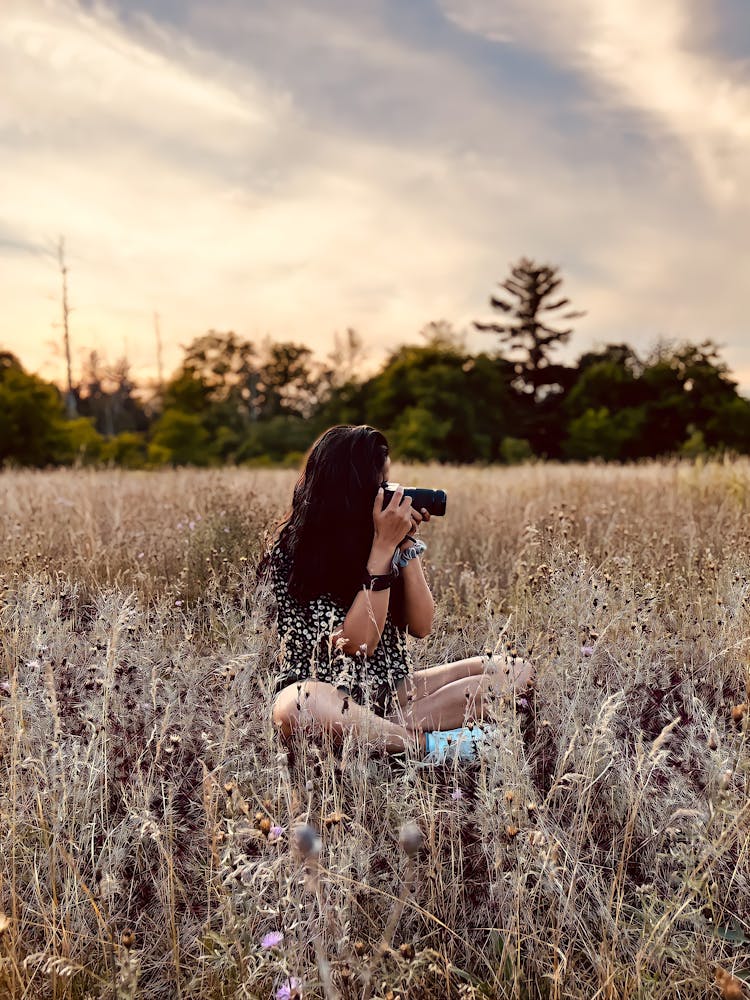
(186, 182)
(188, 185)
(642, 55)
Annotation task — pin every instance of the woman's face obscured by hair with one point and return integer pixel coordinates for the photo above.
(346, 466)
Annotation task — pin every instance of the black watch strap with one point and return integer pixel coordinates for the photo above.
(378, 581)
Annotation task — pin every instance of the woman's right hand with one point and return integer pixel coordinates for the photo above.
(395, 522)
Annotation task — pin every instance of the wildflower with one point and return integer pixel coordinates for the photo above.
(141, 555)
(290, 989)
(276, 832)
(587, 650)
(178, 604)
(457, 795)
(272, 940)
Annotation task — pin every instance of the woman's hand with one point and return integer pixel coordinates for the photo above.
(393, 523)
(417, 517)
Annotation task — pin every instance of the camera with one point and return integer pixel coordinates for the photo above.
(433, 500)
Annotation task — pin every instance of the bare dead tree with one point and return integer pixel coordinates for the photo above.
(159, 361)
(70, 399)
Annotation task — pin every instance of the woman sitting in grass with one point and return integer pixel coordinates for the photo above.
(348, 582)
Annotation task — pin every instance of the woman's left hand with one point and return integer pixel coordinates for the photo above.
(417, 517)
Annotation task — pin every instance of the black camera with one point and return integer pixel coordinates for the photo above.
(433, 500)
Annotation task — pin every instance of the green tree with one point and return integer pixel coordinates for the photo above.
(214, 393)
(288, 382)
(729, 425)
(529, 301)
(219, 373)
(605, 378)
(599, 433)
(180, 438)
(684, 386)
(32, 416)
(438, 402)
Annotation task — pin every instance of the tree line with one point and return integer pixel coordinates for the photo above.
(233, 402)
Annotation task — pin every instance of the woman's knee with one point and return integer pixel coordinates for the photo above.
(291, 703)
(287, 707)
(517, 673)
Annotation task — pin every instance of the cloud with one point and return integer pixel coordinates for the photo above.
(186, 183)
(213, 173)
(644, 56)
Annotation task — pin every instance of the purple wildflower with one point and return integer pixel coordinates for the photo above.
(289, 990)
(272, 940)
(457, 794)
(587, 650)
(276, 832)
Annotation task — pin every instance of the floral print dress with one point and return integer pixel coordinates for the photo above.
(307, 650)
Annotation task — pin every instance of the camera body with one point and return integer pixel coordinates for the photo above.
(434, 501)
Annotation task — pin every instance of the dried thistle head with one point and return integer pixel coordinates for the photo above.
(410, 838)
(739, 712)
(307, 843)
(729, 986)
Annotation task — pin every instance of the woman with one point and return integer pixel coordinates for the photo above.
(349, 585)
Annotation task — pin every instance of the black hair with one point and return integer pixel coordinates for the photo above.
(329, 530)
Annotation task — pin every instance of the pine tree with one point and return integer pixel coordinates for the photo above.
(526, 323)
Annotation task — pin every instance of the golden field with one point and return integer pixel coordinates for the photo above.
(599, 848)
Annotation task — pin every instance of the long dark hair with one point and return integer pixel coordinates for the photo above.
(329, 531)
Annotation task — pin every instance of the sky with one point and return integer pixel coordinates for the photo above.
(289, 170)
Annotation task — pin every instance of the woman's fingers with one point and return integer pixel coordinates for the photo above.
(393, 523)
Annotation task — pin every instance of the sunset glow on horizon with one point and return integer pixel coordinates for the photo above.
(289, 171)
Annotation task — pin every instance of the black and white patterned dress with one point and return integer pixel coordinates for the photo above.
(306, 649)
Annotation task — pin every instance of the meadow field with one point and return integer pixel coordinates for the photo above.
(599, 848)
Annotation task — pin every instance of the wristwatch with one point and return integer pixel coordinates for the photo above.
(378, 581)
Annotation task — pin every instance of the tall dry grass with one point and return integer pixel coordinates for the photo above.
(599, 849)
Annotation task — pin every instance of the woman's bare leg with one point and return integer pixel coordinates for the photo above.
(308, 704)
(423, 683)
(465, 700)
